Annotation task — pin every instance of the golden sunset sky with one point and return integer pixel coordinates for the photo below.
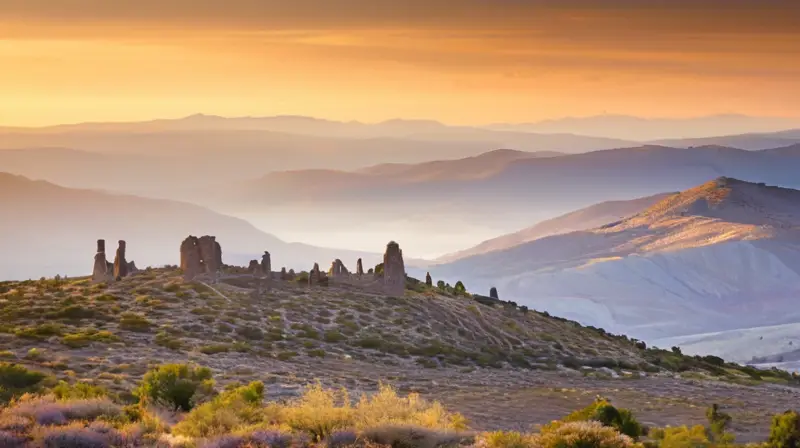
(458, 61)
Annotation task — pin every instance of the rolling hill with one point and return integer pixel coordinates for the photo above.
(720, 256)
(583, 219)
(48, 229)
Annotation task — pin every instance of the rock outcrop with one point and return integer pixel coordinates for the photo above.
(100, 272)
(132, 269)
(359, 268)
(120, 264)
(428, 279)
(493, 293)
(394, 270)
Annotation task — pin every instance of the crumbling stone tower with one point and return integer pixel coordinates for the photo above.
(100, 272)
(120, 264)
(394, 270)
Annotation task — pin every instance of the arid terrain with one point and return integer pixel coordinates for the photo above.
(501, 366)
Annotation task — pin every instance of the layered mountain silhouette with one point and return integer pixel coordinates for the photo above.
(47, 230)
(720, 256)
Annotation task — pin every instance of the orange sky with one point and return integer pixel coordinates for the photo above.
(459, 61)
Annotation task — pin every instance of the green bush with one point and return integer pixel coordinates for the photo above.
(581, 434)
(16, 380)
(228, 411)
(78, 391)
(134, 322)
(785, 430)
(602, 411)
(177, 386)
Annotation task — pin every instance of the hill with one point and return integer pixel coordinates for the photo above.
(52, 229)
(721, 256)
(449, 347)
(583, 219)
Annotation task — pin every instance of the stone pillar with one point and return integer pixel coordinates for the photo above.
(394, 270)
(359, 268)
(428, 279)
(100, 270)
(120, 264)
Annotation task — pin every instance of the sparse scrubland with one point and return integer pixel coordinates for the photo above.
(155, 361)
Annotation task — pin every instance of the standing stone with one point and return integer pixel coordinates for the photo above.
(428, 279)
(394, 270)
(359, 268)
(120, 264)
(191, 260)
(493, 293)
(100, 271)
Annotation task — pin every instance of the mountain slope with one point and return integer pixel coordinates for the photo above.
(750, 141)
(48, 229)
(583, 219)
(720, 256)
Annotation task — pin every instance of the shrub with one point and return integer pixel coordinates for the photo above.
(78, 391)
(506, 439)
(460, 288)
(230, 410)
(134, 322)
(47, 410)
(718, 424)
(341, 439)
(76, 437)
(581, 434)
(177, 386)
(681, 437)
(409, 436)
(16, 380)
(84, 339)
(785, 430)
(602, 411)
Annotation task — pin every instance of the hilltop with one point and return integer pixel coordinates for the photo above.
(719, 256)
(451, 346)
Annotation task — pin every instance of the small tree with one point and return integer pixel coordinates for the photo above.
(441, 285)
(177, 386)
(718, 424)
(459, 288)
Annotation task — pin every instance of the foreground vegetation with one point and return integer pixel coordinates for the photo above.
(179, 405)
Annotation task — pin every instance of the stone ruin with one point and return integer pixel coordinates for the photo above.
(315, 277)
(200, 256)
(394, 270)
(359, 268)
(100, 272)
(266, 264)
(493, 293)
(254, 268)
(428, 279)
(105, 271)
(120, 263)
(338, 269)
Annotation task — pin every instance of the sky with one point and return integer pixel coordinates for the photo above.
(458, 61)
